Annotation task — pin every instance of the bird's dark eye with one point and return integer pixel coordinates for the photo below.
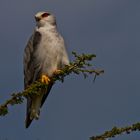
(45, 15)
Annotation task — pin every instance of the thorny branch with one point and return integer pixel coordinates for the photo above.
(117, 131)
(80, 65)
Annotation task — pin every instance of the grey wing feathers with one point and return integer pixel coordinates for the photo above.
(29, 70)
(29, 60)
(46, 93)
(28, 112)
(28, 75)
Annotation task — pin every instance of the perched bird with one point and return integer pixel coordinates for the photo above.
(44, 55)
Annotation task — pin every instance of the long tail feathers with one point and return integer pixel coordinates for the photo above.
(34, 105)
(33, 109)
(28, 120)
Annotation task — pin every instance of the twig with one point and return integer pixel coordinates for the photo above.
(117, 131)
(78, 66)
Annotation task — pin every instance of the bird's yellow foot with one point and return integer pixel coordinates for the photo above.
(45, 79)
(57, 72)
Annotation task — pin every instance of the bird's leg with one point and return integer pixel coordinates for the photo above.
(45, 79)
(57, 72)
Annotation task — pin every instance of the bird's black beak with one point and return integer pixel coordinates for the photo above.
(37, 19)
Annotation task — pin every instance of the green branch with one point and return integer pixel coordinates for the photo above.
(80, 65)
(117, 131)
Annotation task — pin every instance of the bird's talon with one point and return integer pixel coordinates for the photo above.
(45, 79)
(57, 72)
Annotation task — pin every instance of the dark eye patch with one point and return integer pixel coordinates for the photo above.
(45, 15)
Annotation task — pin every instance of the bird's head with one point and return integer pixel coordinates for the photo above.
(45, 18)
